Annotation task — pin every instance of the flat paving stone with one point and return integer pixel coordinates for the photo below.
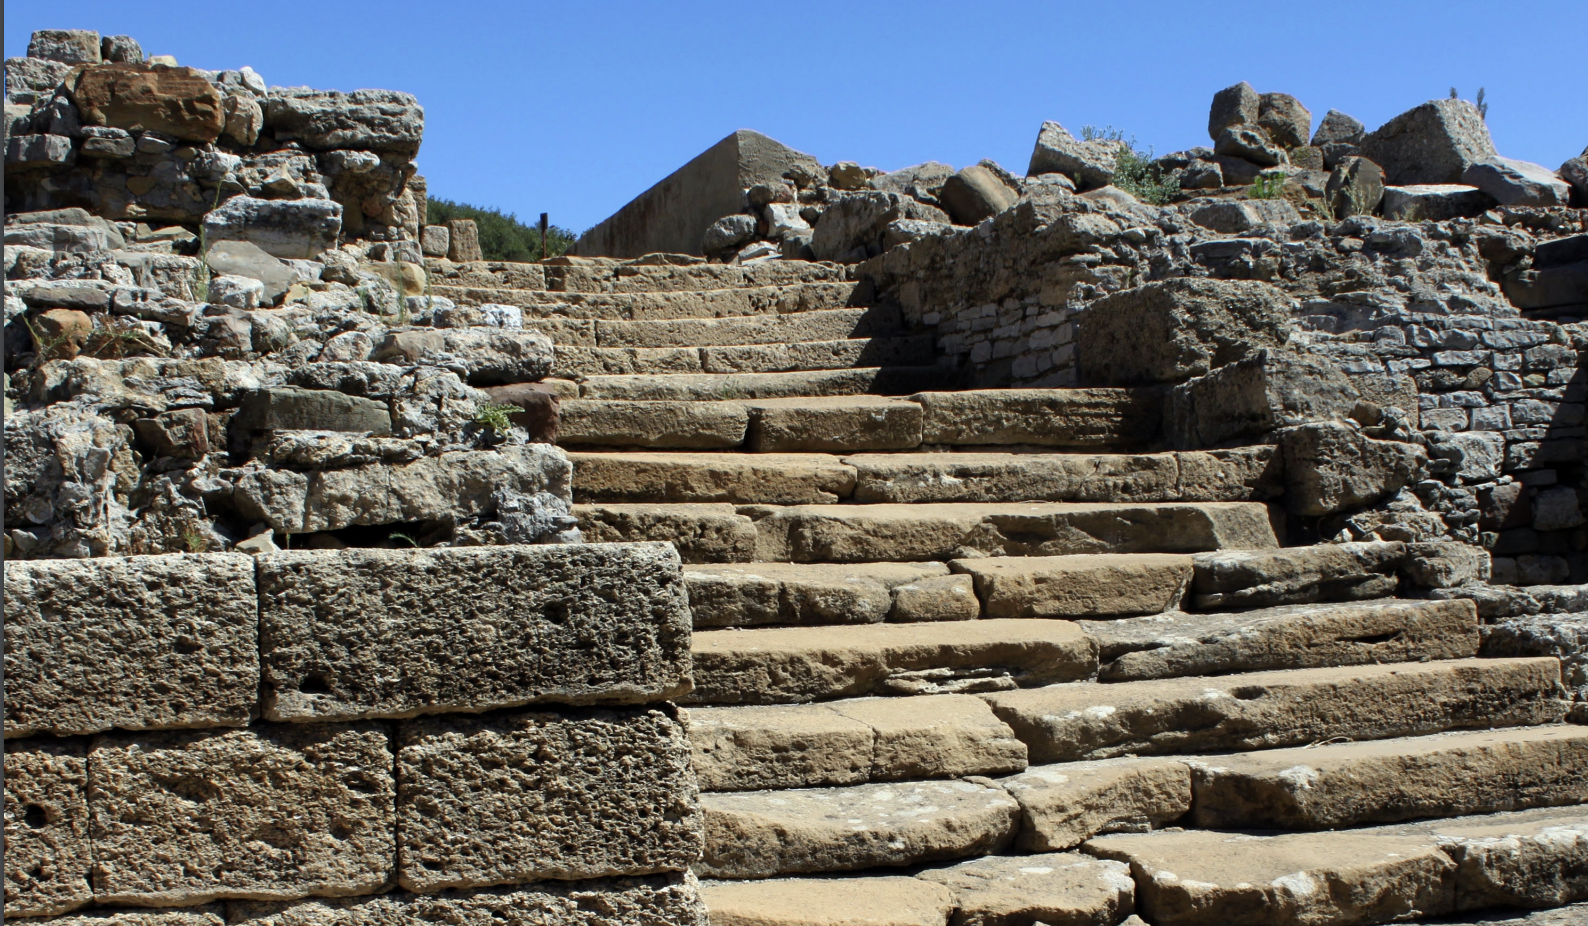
(878, 900)
(1086, 585)
(1055, 888)
(738, 478)
(1062, 806)
(759, 594)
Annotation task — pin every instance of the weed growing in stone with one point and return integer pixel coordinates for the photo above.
(495, 417)
(1267, 186)
(1136, 172)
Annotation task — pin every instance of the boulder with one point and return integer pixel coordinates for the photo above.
(1089, 163)
(123, 49)
(1337, 128)
(1269, 390)
(1356, 187)
(1434, 202)
(1237, 105)
(1167, 332)
(1432, 143)
(1332, 466)
(852, 229)
(286, 228)
(1284, 118)
(180, 102)
(1575, 172)
(921, 181)
(975, 193)
(367, 120)
(727, 233)
(1518, 183)
(68, 46)
(1249, 143)
(1202, 175)
(1232, 217)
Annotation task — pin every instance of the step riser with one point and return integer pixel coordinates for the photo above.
(659, 306)
(732, 386)
(601, 275)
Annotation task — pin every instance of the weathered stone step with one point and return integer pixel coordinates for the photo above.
(813, 325)
(1042, 417)
(794, 664)
(702, 533)
(1082, 585)
(762, 834)
(710, 387)
(801, 594)
(642, 306)
(849, 742)
(878, 900)
(653, 273)
(787, 425)
(684, 424)
(1287, 637)
(574, 360)
(1268, 710)
(739, 478)
(1383, 781)
(1062, 806)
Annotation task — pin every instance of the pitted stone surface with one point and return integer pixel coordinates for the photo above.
(1530, 858)
(1116, 585)
(48, 857)
(1296, 575)
(1062, 806)
(767, 479)
(396, 633)
(755, 594)
(208, 915)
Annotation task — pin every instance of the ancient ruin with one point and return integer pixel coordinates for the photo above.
(1187, 541)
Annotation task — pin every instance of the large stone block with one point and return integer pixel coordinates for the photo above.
(855, 227)
(1170, 331)
(271, 812)
(294, 408)
(370, 120)
(1089, 163)
(1234, 105)
(68, 46)
(1518, 183)
(672, 216)
(1434, 202)
(1528, 858)
(288, 228)
(139, 643)
(1227, 579)
(525, 796)
(48, 854)
(178, 101)
(1062, 806)
(1332, 466)
(207, 915)
(1045, 417)
(1432, 143)
(397, 633)
(1109, 585)
(1055, 888)
(875, 900)
(1268, 390)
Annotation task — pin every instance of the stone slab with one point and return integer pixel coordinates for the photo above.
(1351, 784)
(1288, 637)
(710, 387)
(525, 796)
(818, 325)
(702, 533)
(761, 834)
(749, 747)
(1040, 417)
(935, 736)
(397, 633)
(136, 642)
(1097, 585)
(766, 479)
(1057, 888)
(689, 424)
(206, 915)
(832, 424)
(1062, 806)
(1267, 710)
(795, 664)
(876, 900)
(801, 594)
(1296, 575)
(271, 812)
(48, 853)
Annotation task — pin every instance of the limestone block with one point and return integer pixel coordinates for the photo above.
(1432, 143)
(936, 598)
(683, 425)
(1434, 202)
(934, 736)
(832, 423)
(1102, 585)
(1332, 466)
(397, 633)
(1356, 187)
(68, 46)
(704, 533)
(1055, 888)
(1438, 564)
(281, 408)
(1089, 163)
(366, 120)
(852, 229)
(1561, 635)
(1518, 183)
(139, 643)
(1338, 128)
(24, 152)
(974, 194)
(1529, 858)
(525, 796)
(1236, 105)
(1062, 806)
(179, 101)
(1249, 143)
(178, 816)
(746, 748)
(56, 237)
(435, 240)
(463, 241)
(48, 857)
(876, 900)
(1045, 417)
(207, 915)
(1295, 575)
(794, 594)
(1284, 119)
(286, 228)
(1254, 396)
(483, 355)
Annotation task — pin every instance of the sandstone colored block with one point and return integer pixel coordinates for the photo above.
(878, 533)
(1296, 575)
(1059, 889)
(178, 101)
(397, 633)
(1432, 143)
(762, 834)
(1044, 417)
(673, 899)
(692, 425)
(1099, 585)
(1350, 784)
(936, 598)
(1288, 637)
(766, 479)
(1266, 710)
(877, 900)
(702, 533)
(1200, 878)
(48, 857)
(1062, 806)
(525, 796)
(745, 748)
(1529, 858)
(794, 664)
(138, 642)
(713, 387)
(178, 816)
(832, 423)
(1332, 466)
(1252, 397)
(800, 594)
(935, 736)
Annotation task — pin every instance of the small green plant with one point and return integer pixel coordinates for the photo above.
(495, 417)
(1268, 186)
(1482, 104)
(194, 540)
(1136, 172)
(201, 273)
(44, 348)
(398, 535)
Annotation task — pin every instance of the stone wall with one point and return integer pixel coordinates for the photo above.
(375, 735)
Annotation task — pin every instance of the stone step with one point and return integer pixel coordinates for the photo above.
(702, 533)
(1082, 585)
(801, 594)
(878, 900)
(1270, 710)
(739, 478)
(1383, 781)
(653, 273)
(1042, 417)
(709, 387)
(849, 742)
(832, 423)
(786, 665)
(813, 325)
(1287, 637)
(573, 360)
(685, 424)
(762, 834)
(649, 307)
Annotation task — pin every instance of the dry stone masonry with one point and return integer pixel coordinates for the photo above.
(1195, 540)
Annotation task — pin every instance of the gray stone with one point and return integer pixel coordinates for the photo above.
(1057, 888)
(1356, 187)
(246, 259)
(921, 181)
(1170, 331)
(1237, 105)
(366, 120)
(435, 240)
(1575, 172)
(1437, 564)
(1269, 390)
(1089, 163)
(1202, 175)
(1295, 575)
(288, 228)
(526, 796)
(121, 49)
(1234, 217)
(1434, 202)
(49, 855)
(206, 915)
(727, 233)
(68, 46)
(463, 241)
(39, 77)
(975, 193)
(397, 633)
(139, 643)
(853, 228)
(294, 408)
(1285, 120)
(1432, 143)
(25, 152)
(57, 237)
(1332, 466)
(1518, 183)
(1249, 143)
(483, 355)
(1564, 636)
(178, 815)
(1337, 128)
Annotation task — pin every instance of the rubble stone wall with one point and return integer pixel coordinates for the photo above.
(365, 734)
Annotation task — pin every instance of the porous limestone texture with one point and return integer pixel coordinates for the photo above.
(49, 856)
(1062, 806)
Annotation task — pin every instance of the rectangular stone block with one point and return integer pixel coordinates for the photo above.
(206, 915)
(525, 796)
(398, 633)
(1116, 585)
(1062, 806)
(135, 642)
(48, 855)
(746, 747)
(1044, 417)
(791, 593)
(673, 899)
(1230, 579)
(271, 812)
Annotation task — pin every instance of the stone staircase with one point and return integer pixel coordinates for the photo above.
(987, 657)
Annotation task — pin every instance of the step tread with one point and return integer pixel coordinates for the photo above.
(877, 900)
(1064, 805)
(799, 594)
(1078, 585)
(740, 478)
(732, 386)
(575, 359)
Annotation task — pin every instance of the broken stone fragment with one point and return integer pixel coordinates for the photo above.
(1432, 143)
(1236, 105)
(1089, 163)
(287, 228)
(295, 408)
(368, 120)
(975, 193)
(1518, 183)
(180, 102)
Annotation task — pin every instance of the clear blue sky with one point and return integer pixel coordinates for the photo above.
(574, 108)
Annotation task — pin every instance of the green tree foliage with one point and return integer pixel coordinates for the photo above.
(502, 235)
